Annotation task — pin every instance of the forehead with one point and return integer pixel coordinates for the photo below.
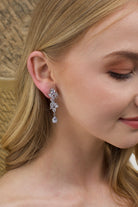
(117, 32)
(114, 21)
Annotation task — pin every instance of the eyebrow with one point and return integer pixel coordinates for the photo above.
(127, 54)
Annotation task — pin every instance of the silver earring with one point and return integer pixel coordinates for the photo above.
(53, 106)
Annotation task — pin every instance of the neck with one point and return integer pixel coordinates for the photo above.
(72, 157)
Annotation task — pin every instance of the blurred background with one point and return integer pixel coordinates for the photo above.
(15, 17)
(14, 22)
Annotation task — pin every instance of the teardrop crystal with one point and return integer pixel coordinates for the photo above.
(54, 119)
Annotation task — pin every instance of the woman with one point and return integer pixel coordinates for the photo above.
(70, 141)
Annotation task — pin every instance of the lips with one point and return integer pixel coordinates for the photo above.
(131, 119)
(132, 122)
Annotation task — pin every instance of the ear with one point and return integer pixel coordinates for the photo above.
(40, 70)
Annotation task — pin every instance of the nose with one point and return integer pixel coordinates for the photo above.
(136, 100)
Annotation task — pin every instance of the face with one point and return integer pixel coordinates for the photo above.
(92, 93)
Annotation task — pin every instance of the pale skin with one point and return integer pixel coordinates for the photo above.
(91, 102)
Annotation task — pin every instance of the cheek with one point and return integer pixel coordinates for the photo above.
(96, 106)
(90, 100)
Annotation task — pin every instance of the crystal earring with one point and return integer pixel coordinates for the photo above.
(53, 106)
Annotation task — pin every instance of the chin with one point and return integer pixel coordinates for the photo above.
(126, 145)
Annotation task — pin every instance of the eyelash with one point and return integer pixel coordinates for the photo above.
(119, 76)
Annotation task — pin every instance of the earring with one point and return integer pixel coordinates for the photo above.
(53, 106)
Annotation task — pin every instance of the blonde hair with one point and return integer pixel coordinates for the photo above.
(56, 26)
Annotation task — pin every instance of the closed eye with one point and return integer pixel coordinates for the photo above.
(120, 76)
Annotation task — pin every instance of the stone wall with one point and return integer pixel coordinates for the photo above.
(15, 17)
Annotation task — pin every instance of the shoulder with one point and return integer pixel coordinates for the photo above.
(15, 191)
(18, 190)
(7, 188)
(12, 186)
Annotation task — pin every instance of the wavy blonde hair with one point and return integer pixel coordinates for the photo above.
(55, 27)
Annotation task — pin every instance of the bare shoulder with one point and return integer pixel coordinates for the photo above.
(12, 186)
(18, 188)
(37, 203)
(7, 188)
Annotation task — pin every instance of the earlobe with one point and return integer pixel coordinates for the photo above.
(38, 68)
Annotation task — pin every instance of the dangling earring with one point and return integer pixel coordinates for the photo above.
(53, 106)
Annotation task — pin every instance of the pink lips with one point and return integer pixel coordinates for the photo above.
(132, 119)
(133, 122)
